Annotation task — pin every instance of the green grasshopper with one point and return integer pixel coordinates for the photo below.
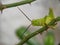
(42, 21)
(45, 20)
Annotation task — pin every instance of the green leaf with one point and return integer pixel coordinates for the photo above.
(49, 38)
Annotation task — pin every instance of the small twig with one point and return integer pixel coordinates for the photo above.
(31, 35)
(4, 6)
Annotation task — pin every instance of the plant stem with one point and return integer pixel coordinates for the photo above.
(15, 4)
(38, 31)
(31, 35)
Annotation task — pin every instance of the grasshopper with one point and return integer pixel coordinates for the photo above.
(41, 21)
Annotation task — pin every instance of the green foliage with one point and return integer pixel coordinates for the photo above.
(20, 34)
(49, 38)
(45, 20)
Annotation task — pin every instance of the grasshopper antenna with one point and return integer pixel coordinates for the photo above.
(27, 18)
(26, 29)
(24, 14)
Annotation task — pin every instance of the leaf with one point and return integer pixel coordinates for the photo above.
(49, 38)
(20, 32)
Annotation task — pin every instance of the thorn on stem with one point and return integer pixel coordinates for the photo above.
(1, 11)
(29, 3)
(1, 7)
